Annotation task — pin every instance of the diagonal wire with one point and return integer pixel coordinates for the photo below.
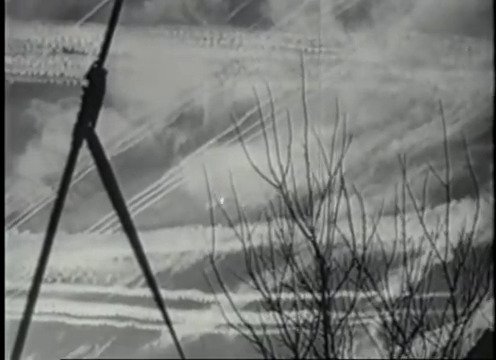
(117, 199)
(84, 128)
(31, 210)
(77, 141)
(92, 12)
(47, 246)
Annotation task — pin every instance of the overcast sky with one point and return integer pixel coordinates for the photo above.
(39, 121)
(149, 12)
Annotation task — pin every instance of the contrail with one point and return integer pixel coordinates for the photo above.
(163, 189)
(152, 193)
(123, 144)
(129, 141)
(158, 185)
(110, 218)
(92, 12)
(159, 189)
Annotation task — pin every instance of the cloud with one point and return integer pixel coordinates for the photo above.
(390, 96)
(409, 123)
(455, 17)
(20, 127)
(159, 77)
(38, 168)
(458, 17)
(221, 163)
(148, 12)
(74, 10)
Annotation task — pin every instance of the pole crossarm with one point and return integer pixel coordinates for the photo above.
(84, 130)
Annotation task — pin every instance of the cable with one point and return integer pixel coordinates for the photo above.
(109, 33)
(45, 252)
(92, 12)
(112, 187)
(33, 209)
(92, 101)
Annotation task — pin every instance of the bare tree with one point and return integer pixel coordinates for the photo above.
(413, 323)
(324, 274)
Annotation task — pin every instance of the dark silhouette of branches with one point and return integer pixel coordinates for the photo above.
(323, 271)
(437, 258)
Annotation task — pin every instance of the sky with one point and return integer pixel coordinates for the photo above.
(146, 12)
(39, 118)
(395, 62)
(453, 16)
